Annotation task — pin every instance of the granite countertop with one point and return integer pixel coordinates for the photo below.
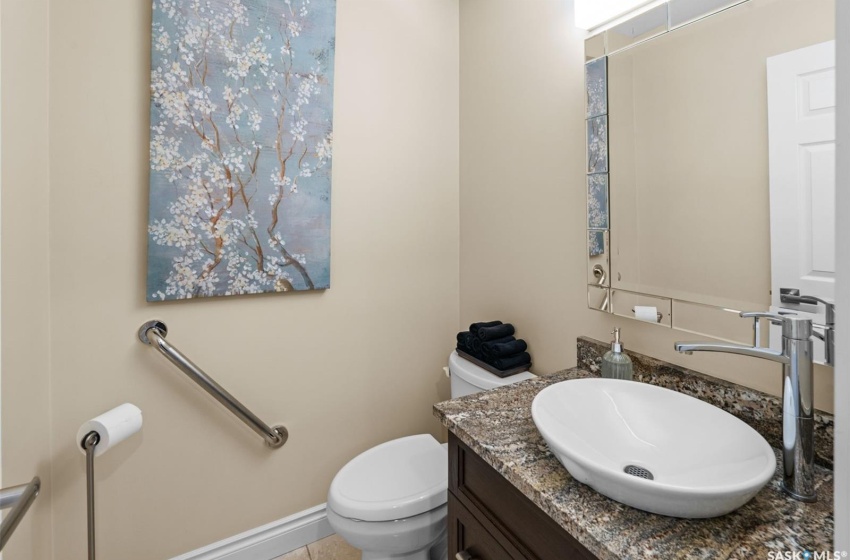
(497, 425)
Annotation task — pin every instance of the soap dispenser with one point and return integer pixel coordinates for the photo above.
(615, 363)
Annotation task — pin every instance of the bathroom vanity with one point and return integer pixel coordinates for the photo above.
(510, 498)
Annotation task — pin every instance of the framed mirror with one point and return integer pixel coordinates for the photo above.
(710, 160)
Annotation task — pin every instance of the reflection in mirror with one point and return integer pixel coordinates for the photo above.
(688, 153)
(716, 322)
(597, 201)
(596, 80)
(801, 118)
(597, 144)
(642, 307)
(597, 258)
(599, 298)
(687, 11)
(711, 157)
(639, 28)
(594, 47)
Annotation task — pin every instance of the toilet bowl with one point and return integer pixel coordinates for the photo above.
(390, 501)
(395, 539)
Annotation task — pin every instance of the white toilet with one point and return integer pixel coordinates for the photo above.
(390, 501)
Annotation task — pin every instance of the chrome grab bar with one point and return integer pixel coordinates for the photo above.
(19, 498)
(153, 334)
(9, 496)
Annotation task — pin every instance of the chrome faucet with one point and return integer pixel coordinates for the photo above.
(798, 432)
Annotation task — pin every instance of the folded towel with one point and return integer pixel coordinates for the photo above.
(492, 333)
(475, 345)
(503, 347)
(463, 339)
(473, 328)
(486, 346)
(510, 362)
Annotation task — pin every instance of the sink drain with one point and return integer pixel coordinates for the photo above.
(639, 472)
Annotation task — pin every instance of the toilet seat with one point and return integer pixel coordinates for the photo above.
(395, 480)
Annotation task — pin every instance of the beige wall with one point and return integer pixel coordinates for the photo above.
(25, 388)
(522, 173)
(522, 198)
(343, 370)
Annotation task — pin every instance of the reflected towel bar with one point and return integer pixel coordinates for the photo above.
(19, 498)
(153, 334)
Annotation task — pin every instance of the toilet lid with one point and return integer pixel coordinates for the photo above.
(395, 480)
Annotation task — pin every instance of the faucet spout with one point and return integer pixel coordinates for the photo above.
(739, 349)
(797, 396)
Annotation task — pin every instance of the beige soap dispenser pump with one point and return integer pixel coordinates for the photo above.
(616, 364)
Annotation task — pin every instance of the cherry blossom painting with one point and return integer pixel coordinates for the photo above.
(241, 145)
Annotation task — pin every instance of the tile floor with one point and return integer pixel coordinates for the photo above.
(329, 548)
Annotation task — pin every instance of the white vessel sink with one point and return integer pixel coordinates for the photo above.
(703, 462)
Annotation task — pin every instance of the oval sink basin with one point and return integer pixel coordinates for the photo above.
(652, 448)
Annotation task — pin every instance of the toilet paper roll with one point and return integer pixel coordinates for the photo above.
(113, 427)
(646, 313)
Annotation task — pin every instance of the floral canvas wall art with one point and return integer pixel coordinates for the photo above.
(241, 146)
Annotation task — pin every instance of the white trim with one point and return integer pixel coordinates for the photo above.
(842, 285)
(268, 541)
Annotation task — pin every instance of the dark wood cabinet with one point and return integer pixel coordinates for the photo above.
(490, 519)
(466, 534)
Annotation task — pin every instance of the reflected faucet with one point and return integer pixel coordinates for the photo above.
(792, 295)
(798, 432)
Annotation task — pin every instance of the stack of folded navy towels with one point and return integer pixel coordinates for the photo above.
(494, 344)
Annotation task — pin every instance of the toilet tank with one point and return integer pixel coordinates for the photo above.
(468, 378)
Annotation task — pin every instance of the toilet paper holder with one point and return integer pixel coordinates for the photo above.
(658, 314)
(89, 444)
(97, 436)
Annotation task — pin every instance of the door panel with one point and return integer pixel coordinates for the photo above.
(801, 120)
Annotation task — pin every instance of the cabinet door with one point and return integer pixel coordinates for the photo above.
(520, 525)
(468, 540)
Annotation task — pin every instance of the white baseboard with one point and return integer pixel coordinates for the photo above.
(269, 541)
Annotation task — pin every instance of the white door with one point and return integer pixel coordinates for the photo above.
(801, 121)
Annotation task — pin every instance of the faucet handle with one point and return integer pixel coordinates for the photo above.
(793, 327)
(774, 318)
